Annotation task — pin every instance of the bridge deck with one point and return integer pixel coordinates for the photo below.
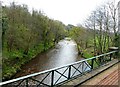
(108, 77)
(111, 79)
(105, 75)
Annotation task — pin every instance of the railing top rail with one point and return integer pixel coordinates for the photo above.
(43, 72)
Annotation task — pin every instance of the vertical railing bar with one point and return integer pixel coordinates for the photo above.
(100, 60)
(92, 63)
(61, 75)
(78, 68)
(52, 78)
(110, 57)
(69, 72)
(74, 71)
(26, 82)
(97, 62)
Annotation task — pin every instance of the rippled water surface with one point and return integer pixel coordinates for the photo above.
(65, 52)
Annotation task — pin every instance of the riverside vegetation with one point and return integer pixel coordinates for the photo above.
(25, 34)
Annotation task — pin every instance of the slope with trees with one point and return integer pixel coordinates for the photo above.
(24, 35)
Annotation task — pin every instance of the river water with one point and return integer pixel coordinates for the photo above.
(65, 52)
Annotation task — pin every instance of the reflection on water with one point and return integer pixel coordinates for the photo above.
(64, 53)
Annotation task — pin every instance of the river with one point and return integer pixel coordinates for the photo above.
(65, 52)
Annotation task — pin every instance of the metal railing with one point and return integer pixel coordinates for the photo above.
(58, 75)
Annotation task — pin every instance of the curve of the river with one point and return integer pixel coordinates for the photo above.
(65, 52)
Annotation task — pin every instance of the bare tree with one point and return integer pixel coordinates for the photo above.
(100, 21)
(113, 10)
(90, 23)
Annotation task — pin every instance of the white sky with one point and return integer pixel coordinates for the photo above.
(67, 11)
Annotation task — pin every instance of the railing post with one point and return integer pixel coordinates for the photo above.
(92, 62)
(26, 82)
(100, 60)
(103, 58)
(69, 72)
(52, 79)
(110, 56)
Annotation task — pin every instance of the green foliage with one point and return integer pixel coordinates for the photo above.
(88, 53)
(84, 40)
(25, 35)
(117, 40)
(79, 35)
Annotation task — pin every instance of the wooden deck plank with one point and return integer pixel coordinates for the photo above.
(85, 80)
(108, 77)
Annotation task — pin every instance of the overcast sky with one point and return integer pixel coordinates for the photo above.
(67, 11)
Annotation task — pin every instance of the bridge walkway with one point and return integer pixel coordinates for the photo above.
(74, 74)
(105, 75)
(108, 77)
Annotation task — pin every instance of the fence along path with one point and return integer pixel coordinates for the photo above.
(58, 75)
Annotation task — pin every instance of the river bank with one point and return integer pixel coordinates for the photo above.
(18, 60)
(63, 53)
